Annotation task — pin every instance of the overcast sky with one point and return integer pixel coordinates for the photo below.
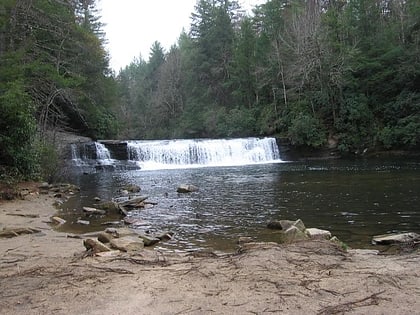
(133, 25)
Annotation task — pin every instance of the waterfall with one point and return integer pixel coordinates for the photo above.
(90, 154)
(75, 155)
(102, 154)
(202, 152)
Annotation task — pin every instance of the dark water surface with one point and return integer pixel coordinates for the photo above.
(353, 199)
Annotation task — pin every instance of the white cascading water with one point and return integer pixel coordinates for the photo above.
(166, 154)
(103, 154)
(75, 155)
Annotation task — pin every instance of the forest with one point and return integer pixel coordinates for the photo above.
(338, 73)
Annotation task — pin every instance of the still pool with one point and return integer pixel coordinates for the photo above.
(353, 199)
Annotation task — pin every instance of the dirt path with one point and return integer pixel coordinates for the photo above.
(44, 273)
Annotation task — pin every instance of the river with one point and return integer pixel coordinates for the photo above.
(354, 199)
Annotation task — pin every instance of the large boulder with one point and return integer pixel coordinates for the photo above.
(293, 234)
(315, 233)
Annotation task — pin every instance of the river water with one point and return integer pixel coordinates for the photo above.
(353, 199)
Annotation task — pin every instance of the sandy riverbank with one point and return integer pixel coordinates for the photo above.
(45, 273)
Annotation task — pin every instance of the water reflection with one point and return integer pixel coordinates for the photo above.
(354, 200)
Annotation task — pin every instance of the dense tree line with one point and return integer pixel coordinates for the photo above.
(54, 75)
(319, 72)
(343, 72)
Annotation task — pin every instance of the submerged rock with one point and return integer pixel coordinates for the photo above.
(90, 210)
(132, 188)
(149, 240)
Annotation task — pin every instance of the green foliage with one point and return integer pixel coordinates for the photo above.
(49, 161)
(302, 69)
(306, 130)
(53, 74)
(355, 124)
(17, 129)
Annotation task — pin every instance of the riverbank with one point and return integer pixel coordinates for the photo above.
(48, 273)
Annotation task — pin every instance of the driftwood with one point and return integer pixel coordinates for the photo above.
(137, 202)
(18, 231)
(133, 202)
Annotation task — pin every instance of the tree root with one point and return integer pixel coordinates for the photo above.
(346, 307)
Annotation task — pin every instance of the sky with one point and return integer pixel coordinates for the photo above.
(131, 26)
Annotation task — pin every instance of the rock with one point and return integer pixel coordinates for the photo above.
(364, 251)
(120, 232)
(44, 185)
(186, 188)
(82, 222)
(135, 221)
(58, 220)
(97, 199)
(285, 224)
(244, 240)
(105, 237)
(127, 244)
(149, 240)
(299, 224)
(396, 238)
(165, 236)
(90, 210)
(132, 188)
(108, 206)
(95, 246)
(318, 233)
(293, 234)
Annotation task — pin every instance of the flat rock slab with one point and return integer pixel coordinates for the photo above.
(184, 189)
(127, 244)
(90, 210)
(318, 233)
(397, 238)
